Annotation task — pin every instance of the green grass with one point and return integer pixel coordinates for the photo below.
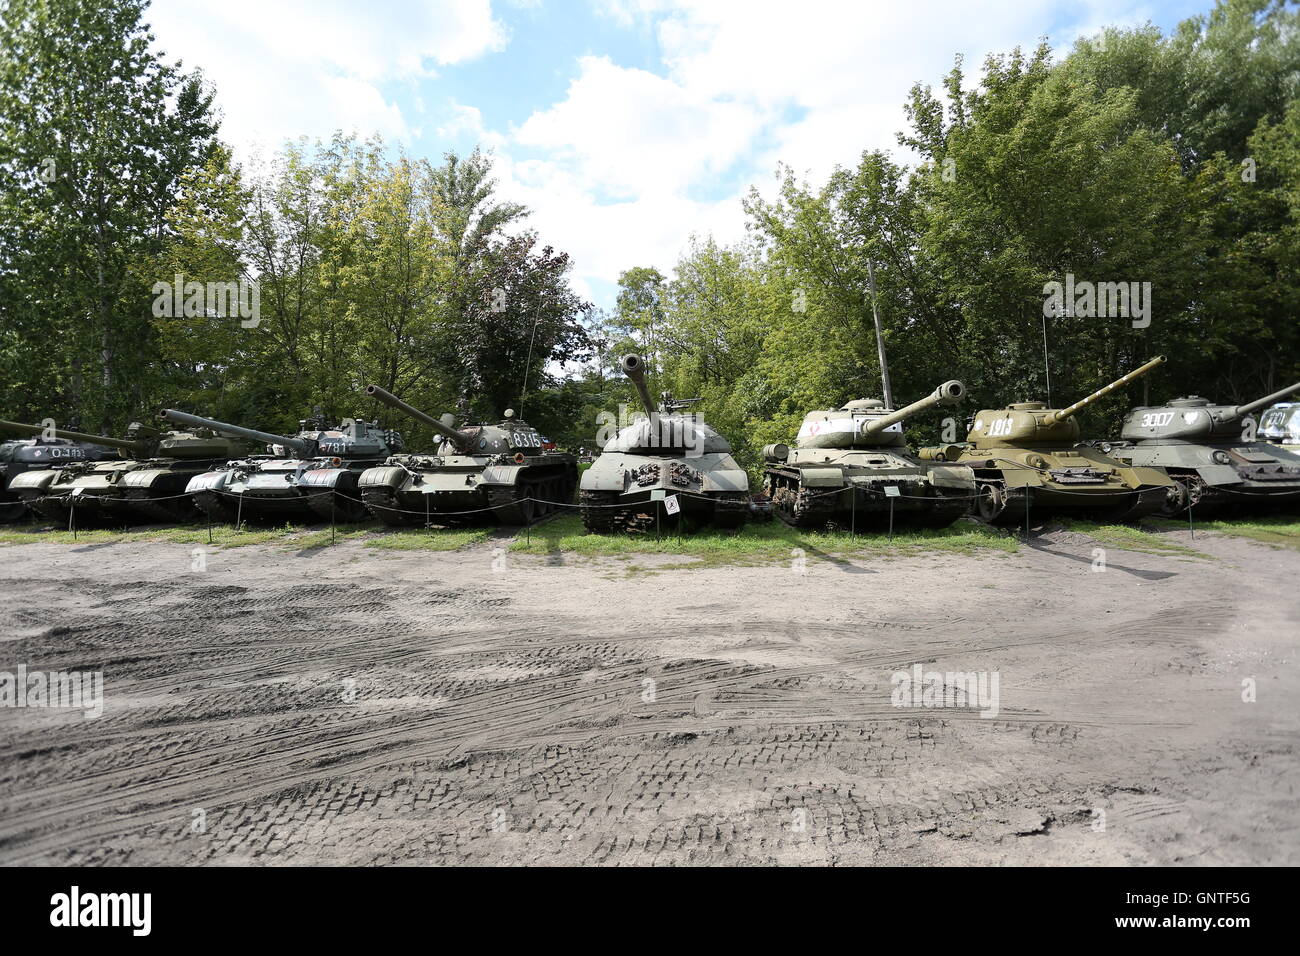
(1129, 538)
(756, 543)
(1281, 531)
(431, 539)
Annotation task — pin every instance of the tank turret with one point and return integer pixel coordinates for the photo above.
(303, 447)
(459, 439)
(141, 442)
(1027, 423)
(1193, 418)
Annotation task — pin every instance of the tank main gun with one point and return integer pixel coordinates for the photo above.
(634, 368)
(141, 447)
(303, 447)
(1051, 418)
(457, 438)
(949, 393)
(1240, 411)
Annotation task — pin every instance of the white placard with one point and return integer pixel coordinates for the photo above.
(671, 505)
(891, 491)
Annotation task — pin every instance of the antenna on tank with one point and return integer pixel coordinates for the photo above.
(887, 391)
(536, 321)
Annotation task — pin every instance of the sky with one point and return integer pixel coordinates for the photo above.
(626, 126)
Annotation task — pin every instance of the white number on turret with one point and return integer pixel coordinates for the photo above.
(999, 427)
(1157, 419)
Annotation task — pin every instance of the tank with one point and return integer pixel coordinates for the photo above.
(478, 473)
(145, 479)
(669, 452)
(1280, 425)
(845, 460)
(311, 474)
(37, 454)
(1028, 457)
(1214, 455)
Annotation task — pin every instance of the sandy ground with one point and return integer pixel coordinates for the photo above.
(348, 705)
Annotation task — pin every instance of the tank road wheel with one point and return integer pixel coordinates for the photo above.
(990, 502)
(216, 506)
(51, 510)
(1178, 498)
(12, 511)
(597, 515)
(382, 503)
(334, 506)
(164, 512)
(730, 510)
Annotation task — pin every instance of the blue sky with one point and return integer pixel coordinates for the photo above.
(625, 125)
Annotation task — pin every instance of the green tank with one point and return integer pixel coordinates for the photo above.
(1280, 425)
(37, 454)
(311, 474)
(147, 479)
(1028, 457)
(665, 455)
(479, 472)
(1213, 454)
(851, 465)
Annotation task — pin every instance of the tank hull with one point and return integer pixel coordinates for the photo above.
(847, 491)
(618, 492)
(281, 488)
(413, 490)
(1222, 478)
(112, 491)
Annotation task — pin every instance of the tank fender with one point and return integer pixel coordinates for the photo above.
(501, 474)
(1219, 474)
(208, 481)
(141, 479)
(37, 479)
(322, 477)
(950, 476)
(730, 479)
(604, 476)
(384, 476)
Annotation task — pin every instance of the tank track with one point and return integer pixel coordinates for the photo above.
(216, 506)
(1146, 501)
(11, 511)
(506, 506)
(177, 509)
(332, 506)
(597, 516)
(51, 509)
(730, 510)
(382, 503)
(800, 507)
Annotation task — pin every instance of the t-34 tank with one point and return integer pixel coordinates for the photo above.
(313, 473)
(1211, 453)
(146, 479)
(845, 460)
(1280, 425)
(669, 452)
(500, 467)
(37, 454)
(1028, 456)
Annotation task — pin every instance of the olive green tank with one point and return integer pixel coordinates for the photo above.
(1027, 458)
(852, 466)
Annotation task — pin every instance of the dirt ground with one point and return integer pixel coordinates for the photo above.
(350, 705)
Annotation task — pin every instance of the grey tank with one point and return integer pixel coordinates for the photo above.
(1214, 455)
(851, 465)
(478, 472)
(671, 452)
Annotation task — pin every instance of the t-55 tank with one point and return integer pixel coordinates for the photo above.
(500, 467)
(846, 460)
(1028, 456)
(37, 454)
(147, 478)
(1280, 425)
(669, 452)
(1210, 452)
(313, 473)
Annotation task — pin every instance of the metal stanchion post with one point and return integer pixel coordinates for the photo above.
(891, 519)
(72, 518)
(239, 513)
(1190, 527)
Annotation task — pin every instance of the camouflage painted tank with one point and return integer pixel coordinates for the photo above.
(311, 474)
(146, 480)
(1029, 457)
(1213, 454)
(495, 472)
(669, 452)
(849, 464)
(1280, 425)
(38, 454)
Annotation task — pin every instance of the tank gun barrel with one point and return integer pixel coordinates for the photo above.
(949, 393)
(1243, 410)
(303, 447)
(392, 401)
(634, 368)
(1138, 372)
(137, 446)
